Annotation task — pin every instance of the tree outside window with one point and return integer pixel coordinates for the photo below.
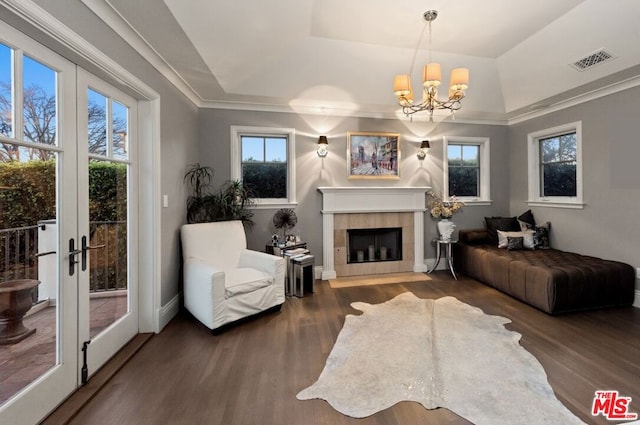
(464, 170)
(558, 165)
(555, 166)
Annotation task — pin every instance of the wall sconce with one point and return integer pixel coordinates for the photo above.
(323, 146)
(424, 148)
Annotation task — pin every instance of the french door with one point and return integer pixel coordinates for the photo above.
(107, 219)
(68, 226)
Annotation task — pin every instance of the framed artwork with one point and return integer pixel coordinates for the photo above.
(373, 155)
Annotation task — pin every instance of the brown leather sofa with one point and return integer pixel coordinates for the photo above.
(551, 280)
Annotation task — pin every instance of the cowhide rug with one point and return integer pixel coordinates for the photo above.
(439, 353)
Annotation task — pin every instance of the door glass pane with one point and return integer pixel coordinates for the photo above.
(97, 124)
(120, 131)
(39, 109)
(6, 94)
(108, 271)
(28, 269)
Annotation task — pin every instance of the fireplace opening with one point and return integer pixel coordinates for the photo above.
(370, 245)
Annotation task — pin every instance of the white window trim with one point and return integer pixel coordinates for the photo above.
(236, 159)
(533, 142)
(485, 168)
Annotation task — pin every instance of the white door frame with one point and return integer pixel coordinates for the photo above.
(149, 234)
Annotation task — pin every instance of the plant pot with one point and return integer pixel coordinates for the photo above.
(445, 229)
(15, 301)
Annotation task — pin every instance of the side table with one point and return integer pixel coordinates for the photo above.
(302, 277)
(289, 252)
(447, 246)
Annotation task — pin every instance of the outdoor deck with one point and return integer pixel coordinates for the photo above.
(22, 363)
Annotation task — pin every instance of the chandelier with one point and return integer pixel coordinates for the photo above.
(431, 79)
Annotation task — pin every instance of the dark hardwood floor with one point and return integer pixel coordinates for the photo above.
(251, 373)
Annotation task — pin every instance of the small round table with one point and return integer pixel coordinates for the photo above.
(448, 254)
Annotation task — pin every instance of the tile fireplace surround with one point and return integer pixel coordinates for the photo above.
(372, 207)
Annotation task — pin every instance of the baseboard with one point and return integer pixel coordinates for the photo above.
(636, 301)
(169, 311)
(428, 263)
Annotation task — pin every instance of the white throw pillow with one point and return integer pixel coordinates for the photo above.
(527, 236)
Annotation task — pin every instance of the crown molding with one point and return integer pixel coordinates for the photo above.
(110, 16)
(338, 112)
(577, 100)
(36, 16)
(40, 18)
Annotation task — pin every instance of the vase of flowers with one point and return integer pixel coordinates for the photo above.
(444, 210)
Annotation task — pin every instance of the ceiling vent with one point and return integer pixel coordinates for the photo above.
(593, 59)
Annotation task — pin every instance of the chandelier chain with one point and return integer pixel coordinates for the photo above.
(415, 51)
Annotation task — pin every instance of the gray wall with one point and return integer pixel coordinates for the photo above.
(178, 124)
(313, 172)
(608, 225)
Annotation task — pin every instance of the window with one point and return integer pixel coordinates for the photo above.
(264, 165)
(263, 158)
(558, 165)
(555, 169)
(466, 169)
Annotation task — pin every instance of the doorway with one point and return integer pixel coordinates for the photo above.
(68, 226)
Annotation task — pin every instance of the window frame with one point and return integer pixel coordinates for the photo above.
(534, 162)
(484, 167)
(236, 161)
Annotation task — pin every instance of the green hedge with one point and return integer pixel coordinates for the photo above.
(265, 180)
(27, 192)
(28, 195)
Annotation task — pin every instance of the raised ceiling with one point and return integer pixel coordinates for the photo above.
(336, 56)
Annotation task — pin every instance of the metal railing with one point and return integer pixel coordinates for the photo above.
(20, 254)
(18, 248)
(108, 261)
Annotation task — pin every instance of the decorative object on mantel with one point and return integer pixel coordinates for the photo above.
(285, 219)
(444, 210)
(323, 146)
(373, 155)
(431, 78)
(424, 149)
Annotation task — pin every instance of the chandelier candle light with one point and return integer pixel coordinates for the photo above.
(431, 79)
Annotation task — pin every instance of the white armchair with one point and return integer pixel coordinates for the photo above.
(223, 280)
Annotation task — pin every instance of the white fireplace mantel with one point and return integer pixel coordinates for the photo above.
(348, 200)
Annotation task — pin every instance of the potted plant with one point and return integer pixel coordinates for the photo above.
(199, 180)
(230, 202)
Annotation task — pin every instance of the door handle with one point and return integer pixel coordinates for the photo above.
(86, 248)
(72, 256)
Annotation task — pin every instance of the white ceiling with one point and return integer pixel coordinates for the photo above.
(340, 56)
